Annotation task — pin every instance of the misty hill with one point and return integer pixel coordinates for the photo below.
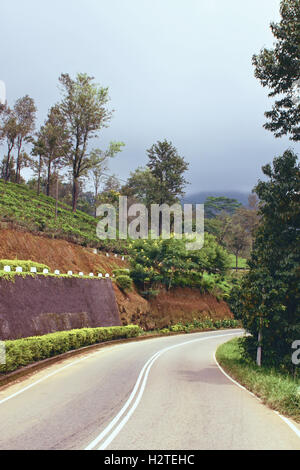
(200, 198)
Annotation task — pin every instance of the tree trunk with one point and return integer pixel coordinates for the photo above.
(96, 197)
(7, 175)
(56, 197)
(18, 164)
(39, 176)
(17, 179)
(48, 178)
(75, 193)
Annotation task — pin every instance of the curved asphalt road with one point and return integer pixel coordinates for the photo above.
(128, 397)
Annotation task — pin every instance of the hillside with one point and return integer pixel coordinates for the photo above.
(21, 207)
(167, 308)
(29, 231)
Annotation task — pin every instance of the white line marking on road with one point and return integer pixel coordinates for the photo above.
(289, 423)
(122, 411)
(286, 420)
(143, 376)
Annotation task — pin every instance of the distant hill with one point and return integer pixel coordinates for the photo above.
(200, 198)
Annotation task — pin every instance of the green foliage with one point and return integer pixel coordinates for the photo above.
(162, 181)
(167, 262)
(124, 282)
(141, 185)
(201, 324)
(25, 265)
(22, 352)
(276, 389)
(268, 298)
(121, 272)
(168, 168)
(278, 69)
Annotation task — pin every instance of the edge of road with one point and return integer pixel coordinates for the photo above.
(24, 372)
(287, 421)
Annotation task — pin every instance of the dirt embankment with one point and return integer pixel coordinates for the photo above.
(165, 309)
(57, 254)
(178, 305)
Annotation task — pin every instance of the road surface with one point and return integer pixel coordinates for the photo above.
(159, 394)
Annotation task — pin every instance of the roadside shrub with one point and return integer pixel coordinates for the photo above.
(205, 324)
(25, 265)
(121, 272)
(21, 352)
(164, 331)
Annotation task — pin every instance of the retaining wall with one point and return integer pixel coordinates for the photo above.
(32, 306)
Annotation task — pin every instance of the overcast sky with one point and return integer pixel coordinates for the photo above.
(176, 69)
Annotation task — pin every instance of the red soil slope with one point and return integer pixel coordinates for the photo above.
(57, 254)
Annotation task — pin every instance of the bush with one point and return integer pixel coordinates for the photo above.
(124, 282)
(121, 272)
(205, 324)
(22, 352)
(25, 265)
(168, 262)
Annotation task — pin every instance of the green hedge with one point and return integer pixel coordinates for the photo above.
(21, 352)
(205, 324)
(25, 265)
(121, 272)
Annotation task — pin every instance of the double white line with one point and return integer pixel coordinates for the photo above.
(116, 425)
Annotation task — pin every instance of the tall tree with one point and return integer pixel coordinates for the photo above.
(141, 186)
(168, 169)
(279, 70)
(25, 112)
(8, 132)
(268, 300)
(84, 108)
(53, 143)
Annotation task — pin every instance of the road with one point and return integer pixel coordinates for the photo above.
(162, 394)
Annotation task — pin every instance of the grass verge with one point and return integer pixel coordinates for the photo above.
(279, 391)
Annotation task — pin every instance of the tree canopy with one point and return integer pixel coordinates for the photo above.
(279, 70)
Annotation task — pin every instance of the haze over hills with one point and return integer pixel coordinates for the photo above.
(201, 196)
